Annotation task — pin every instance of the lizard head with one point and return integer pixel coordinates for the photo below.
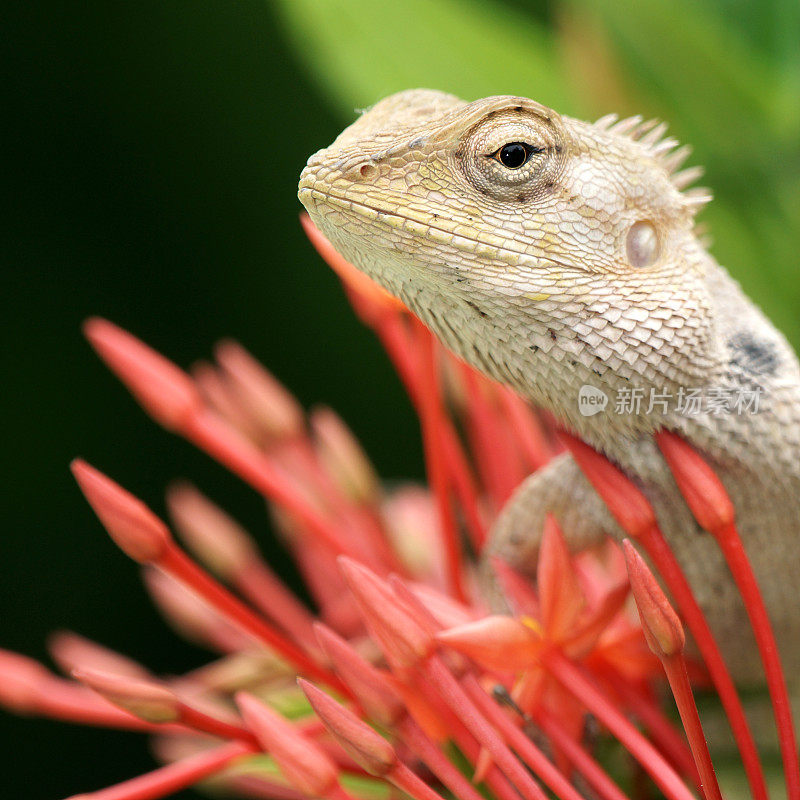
(547, 251)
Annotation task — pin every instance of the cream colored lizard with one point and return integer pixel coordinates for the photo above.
(561, 258)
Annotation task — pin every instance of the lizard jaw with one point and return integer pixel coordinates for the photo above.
(391, 223)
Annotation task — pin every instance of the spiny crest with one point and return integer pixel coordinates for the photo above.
(665, 149)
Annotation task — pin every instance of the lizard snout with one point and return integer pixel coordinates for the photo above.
(322, 171)
(315, 173)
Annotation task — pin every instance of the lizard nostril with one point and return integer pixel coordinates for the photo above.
(358, 168)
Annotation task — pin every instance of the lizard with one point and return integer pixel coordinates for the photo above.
(562, 258)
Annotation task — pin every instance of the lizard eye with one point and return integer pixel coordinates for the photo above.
(515, 154)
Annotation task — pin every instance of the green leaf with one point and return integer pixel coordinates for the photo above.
(737, 105)
(699, 69)
(363, 50)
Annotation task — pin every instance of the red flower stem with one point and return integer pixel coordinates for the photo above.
(299, 452)
(731, 545)
(437, 674)
(525, 748)
(573, 680)
(179, 566)
(224, 443)
(393, 331)
(441, 766)
(405, 780)
(70, 702)
(711, 505)
(205, 723)
(662, 732)
(344, 762)
(257, 787)
(300, 449)
(374, 533)
(660, 552)
(397, 342)
(497, 460)
(675, 667)
(499, 785)
(431, 421)
(463, 485)
(656, 546)
(259, 584)
(466, 742)
(527, 428)
(298, 458)
(77, 711)
(173, 777)
(593, 773)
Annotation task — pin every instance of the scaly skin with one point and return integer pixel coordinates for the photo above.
(582, 267)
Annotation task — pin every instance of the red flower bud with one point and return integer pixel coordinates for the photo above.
(129, 522)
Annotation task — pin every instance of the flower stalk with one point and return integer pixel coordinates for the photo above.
(173, 777)
(709, 502)
(664, 634)
(636, 517)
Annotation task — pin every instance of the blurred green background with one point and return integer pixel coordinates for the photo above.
(152, 151)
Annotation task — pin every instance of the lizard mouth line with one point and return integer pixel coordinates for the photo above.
(359, 208)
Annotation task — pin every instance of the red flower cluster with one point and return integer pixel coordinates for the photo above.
(406, 679)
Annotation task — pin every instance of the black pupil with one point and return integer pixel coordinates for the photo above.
(513, 155)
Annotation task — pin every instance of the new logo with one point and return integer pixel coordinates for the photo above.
(591, 400)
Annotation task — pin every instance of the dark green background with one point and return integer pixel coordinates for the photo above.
(152, 161)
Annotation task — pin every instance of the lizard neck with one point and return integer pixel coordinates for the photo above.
(610, 374)
(565, 351)
(757, 361)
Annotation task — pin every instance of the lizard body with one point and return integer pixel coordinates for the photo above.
(554, 254)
